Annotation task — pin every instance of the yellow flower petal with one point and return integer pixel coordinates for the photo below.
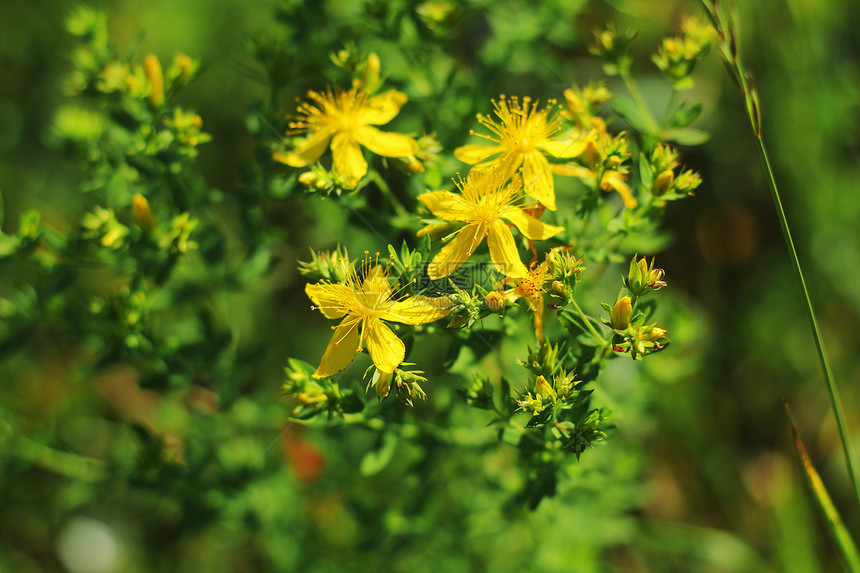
(457, 251)
(533, 228)
(348, 160)
(574, 171)
(445, 205)
(537, 179)
(386, 144)
(382, 108)
(330, 299)
(472, 154)
(615, 180)
(385, 349)
(571, 147)
(418, 310)
(306, 153)
(503, 250)
(436, 229)
(341, 349)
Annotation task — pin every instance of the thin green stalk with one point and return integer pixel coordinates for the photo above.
(835, 401)
(670, 106)
(725, 25)
(588, 324)
(624, 71)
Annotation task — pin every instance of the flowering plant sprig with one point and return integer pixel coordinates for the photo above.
(532, 268)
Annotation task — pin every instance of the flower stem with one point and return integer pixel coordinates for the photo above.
(670, 106)
(587, 323)
(639, 100)
(835, 401)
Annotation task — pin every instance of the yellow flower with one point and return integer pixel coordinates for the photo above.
(483, 202)
(530, 287)
(344, 119)
(523, 137)
(364, 304)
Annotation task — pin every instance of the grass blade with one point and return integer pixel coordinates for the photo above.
(835, 526)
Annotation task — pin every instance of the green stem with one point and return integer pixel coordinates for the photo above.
(639, 100)
(588, 324)
(669, 107)
(835, 402)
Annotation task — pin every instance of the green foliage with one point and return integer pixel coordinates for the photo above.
(169, 401)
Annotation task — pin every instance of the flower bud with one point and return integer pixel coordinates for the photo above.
(155, 78)
(620, 316)
(311, 179)
(495, 301)
(370, 77)
(656, 333)
(592, 156)
(544, 389)
(383, 384)
(663, 182)
(181, 70)
(142, 213)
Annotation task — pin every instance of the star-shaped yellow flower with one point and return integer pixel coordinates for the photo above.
(364, 303)
(482, 204)
(523, 137)
(344, 119)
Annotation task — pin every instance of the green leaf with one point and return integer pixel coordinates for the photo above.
(377, 460)
(645, 170)
(631, 113)
(7, 245)
(540, 419)
(835, 526)
(685, 136)
(685, 115)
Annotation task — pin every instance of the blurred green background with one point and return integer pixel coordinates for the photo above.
(702, 475)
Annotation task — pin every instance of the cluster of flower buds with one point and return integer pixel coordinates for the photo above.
(643, 277)
(406, 383)
(428, 152)
(577, 436)
(558, 392)
(124, 313)
(333, 266)
(631, 334)
(320, 179)
(310, 395)
(665, 184)
(607, 152)
(468, 306)
(677, 56)
(564, 270)
(581, 104)
(101, 224)
(612, 47)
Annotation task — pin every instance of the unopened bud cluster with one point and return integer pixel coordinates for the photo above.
(666, 185)
(677, 56)
(630, 333)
